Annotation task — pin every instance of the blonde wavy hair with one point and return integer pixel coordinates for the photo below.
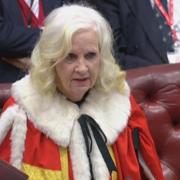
(56, 42)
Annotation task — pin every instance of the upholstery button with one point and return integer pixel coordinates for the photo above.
(160, 26)
(157, 15)
(164, 39)
(169, 33)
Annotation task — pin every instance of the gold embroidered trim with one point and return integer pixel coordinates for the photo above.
(37, 173)
(64, 163)
(114, 173)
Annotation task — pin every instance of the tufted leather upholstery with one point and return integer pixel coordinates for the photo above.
(157, 90)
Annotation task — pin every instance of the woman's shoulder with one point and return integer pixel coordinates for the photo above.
(9, 103)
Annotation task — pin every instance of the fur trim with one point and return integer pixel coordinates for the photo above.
(146, 169)
(57, 118)
(6, 121)
(18, 136)
(80, 164)
(14, 118)
(110, 111)
(52, 116)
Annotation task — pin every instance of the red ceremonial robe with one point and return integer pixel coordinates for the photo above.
(42, 157)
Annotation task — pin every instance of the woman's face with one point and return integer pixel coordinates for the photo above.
(77, 73)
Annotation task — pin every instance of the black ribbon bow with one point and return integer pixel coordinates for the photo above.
(86, 122)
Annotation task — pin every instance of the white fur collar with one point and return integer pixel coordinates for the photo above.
(57, 118)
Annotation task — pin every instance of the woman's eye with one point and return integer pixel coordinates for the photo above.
(90, 55)
(70, 58)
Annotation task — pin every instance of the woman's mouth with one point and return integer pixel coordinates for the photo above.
(82, 81)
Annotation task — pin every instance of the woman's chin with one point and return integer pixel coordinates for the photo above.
(78, 94)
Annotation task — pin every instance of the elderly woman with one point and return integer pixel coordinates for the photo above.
(73, 116)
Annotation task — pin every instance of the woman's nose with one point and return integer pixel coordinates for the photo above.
(81, 66)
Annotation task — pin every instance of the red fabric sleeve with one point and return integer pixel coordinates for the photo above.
(38, 147)
(8, 103)
(5, 145)
(125, 155)
(147, 146)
